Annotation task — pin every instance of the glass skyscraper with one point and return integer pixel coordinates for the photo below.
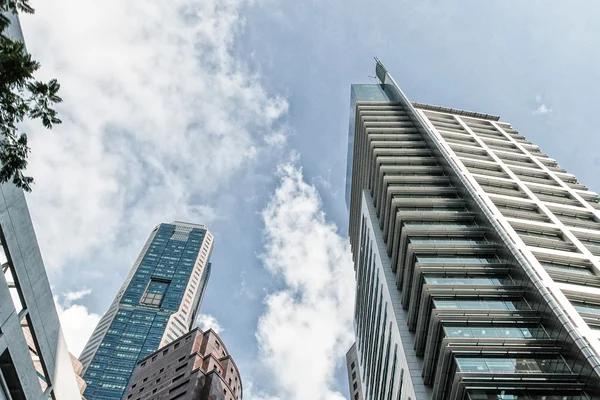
(158, 302)
(476, 258)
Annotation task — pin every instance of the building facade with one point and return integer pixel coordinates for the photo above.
(475, 256)
(196, 366)
(34, 360)
(157, 303)
(354, 381)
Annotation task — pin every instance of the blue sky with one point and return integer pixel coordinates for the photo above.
(234, 113)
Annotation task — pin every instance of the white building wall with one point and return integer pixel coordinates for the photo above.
(408, 365)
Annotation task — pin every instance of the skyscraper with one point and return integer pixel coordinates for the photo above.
(34, 360)
(475, 256)
(158, 302)
(196, 366)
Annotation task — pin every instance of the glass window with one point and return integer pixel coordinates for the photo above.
(459, 259)
(484, 332)
(567, 269)
(477, 304)
(155, 292)
(466, 280)
(453, 331)
(496, 332)
(457, 224)
(512, 365)
(446, 240)
(505, 365)
(587, 308)
(520, 395)
(471, 365)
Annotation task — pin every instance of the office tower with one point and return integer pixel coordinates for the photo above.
(34, 361)
(475, 256)
(196, 366)
(354, 380)
(158, 302)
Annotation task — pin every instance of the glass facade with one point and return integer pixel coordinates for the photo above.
(164, 278)
(555, 365)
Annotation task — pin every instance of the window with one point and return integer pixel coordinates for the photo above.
(589, 308)
(466, 280)
(567, 269)
(353, 365)
(181, 367)
(355, 385)
(513, 365)
(508, 332)
(459, 259)
(401, 382)
(155, 292)
(217, 345)
(354, 375)
(464, 304)
(176, 345)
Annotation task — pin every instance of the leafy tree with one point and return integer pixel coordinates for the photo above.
(21, 97)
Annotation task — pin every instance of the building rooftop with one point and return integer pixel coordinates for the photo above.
(456, 111)
(190, 225)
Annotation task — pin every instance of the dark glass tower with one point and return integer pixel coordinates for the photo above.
(157, 303)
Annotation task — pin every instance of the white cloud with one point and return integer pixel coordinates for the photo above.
(76, 321)
(307, 327)
(78, 295)
(251, 393)
(158, 114)
(206, 321)
(541, 108)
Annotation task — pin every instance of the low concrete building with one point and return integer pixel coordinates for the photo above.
(196, 366)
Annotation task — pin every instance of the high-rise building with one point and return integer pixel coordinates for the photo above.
(476, 257)
(158, 302)
(34, 360)
(196, 366)
(354, 381)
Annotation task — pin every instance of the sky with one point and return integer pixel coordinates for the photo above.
(234, 113)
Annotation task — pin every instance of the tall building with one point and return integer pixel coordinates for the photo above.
(475, 256)
(158, 302)
(196, 366)
(34, 361)
(354, 381)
